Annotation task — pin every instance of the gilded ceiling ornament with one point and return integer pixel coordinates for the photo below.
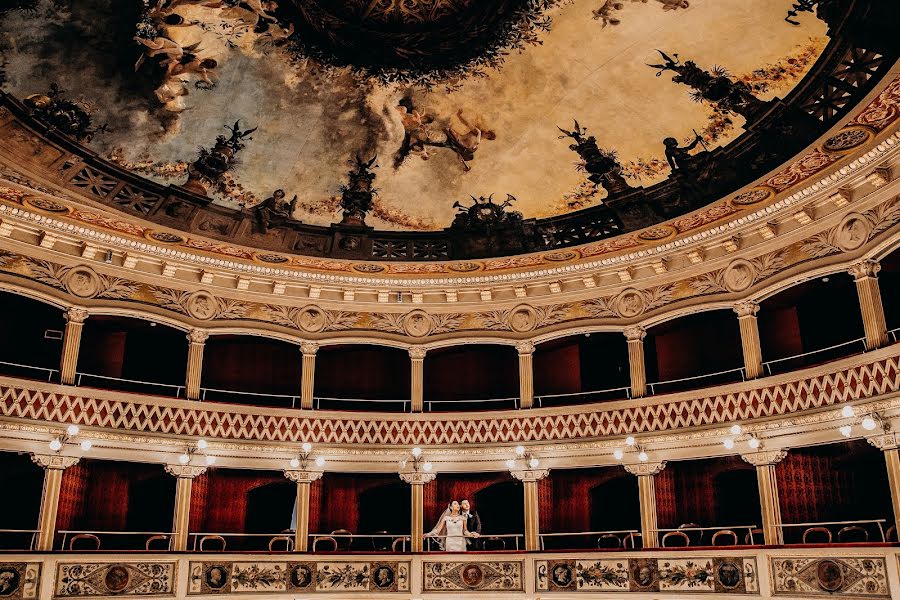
(847, 139)
(45, 204)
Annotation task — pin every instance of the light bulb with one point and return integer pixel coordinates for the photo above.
(736, 429)
(210, 459)
(753, 443)
(417, 452)
(643, 457)
(520, 450)
(533, 463)
(847, 412)
(295, 462)
(845, 430)
(869, 424)
(427, 466)
(86, 445)
(728, 443)
(629, 440)
(72, 430)
(201, 444)
(306, 446)
(320, 461)
(55, 444)
(510, 463)
(618, 454)
(184, 459)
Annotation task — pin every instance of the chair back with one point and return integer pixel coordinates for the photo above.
(609, 540)
(88, 540)
(212, 538)
(633, 541)
(401, 543)
(817, 535)
(381, 544)
(157, 538)
(343, 543)
(754, 536)
(696, 537)
(286, 540)
(725, 537)
(494, 543)
(330, 544)
(852, 533)
(891, 533)
(679, 539)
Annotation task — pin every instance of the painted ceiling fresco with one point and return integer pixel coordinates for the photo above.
(451, 98)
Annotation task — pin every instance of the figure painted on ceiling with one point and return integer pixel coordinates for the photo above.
(602, 165)
(274, 211)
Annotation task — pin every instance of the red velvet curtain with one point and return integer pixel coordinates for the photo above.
(72, 495)
(691, 491)
(456, 486)
(222, 498)
(339, 506)
(565, 498)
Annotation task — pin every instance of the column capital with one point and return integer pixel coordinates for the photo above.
(418, 477)
(197, 336)
(76, 315)
(747, 308)
(53, 461)
(185, 471)
(764, 457)
(646, 468)
(885, 441)
(635, 333)
(864, 269)
(525, 475)
(309, 348)
(417, 352)
(298, 476)
(525, 347)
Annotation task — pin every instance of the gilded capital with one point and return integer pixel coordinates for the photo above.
(418, 477)
(197, 336)
(76, 315)
(885, 441)
(530, 474)
(764, 457)
(54, 461)
(185, 471)
(417, 352)
(309, 348)
(865, 269)
(298, 476)
(646, 468)
(525, 347)
(635, 333)
(747, 308)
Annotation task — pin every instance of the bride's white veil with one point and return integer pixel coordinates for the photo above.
(434, 530)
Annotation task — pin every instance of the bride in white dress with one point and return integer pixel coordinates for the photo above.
(452, 529)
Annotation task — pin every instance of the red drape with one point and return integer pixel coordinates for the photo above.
(455, 486)
(339, 500)
(225, 507)
(72, 495)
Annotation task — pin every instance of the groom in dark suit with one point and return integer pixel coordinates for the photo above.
(473, 523)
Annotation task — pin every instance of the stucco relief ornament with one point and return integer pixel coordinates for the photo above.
(417, 323)
(630, 303)
(202, 306)
(311, 319)
(522, 318)
(299, 476)
(853, 232)
(185, 471)
(739, 275)
(53, 461)
(646, 468)
(82, 282)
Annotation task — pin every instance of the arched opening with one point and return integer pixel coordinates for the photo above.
(30, 337)
(148, 498)
(267, 370)
(820, 316)
(456, 378)
(124, 353)
(362, 372)
(581, 368)
(502, 511)
(24, 480)
(361, 504)
(270, 507)
(385, 508)
(614, 504)
(705, 346)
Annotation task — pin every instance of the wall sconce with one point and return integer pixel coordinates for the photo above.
(632, 445)
(301, 461)
(418, 461)
(869, 422)
(190, 451)
(524, 455)
(736, 434)
(72, 431)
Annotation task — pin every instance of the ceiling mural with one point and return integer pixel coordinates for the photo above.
(404, 115)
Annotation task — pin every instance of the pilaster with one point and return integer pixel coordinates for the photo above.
(417, 374)
(308, 375)
(529, 479)
(865, 275)
(184, 475)
(636, 364)
(889, 444)
(304, 480)
(196, 342)
(417, 480)
(68, 363)
(53, 465)
(526, 373)
(646, 473)
(765, 462)
(750, 344)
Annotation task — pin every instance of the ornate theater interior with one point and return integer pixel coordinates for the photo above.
(421, 299)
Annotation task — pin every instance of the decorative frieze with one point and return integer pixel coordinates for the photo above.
(123, 578)
(20, 580)
(853, 577)
(292, 577)
(472, 576)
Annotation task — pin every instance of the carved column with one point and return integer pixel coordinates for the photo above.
(308, 375)
(417, 371)
(865, 274)
(182, 514)
(746, 312)
(636, 364)
(53, 465)
(196, 341)
(646, 473)
(888, 443)
(765, 462)
(75, 318)
(417, 531)
(526, 374)
(304, 480)
(529, 479)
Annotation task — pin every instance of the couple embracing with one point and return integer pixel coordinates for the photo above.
(457, 527)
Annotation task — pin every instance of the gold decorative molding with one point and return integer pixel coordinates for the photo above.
(300, 476)
(525, 475)
(418, 477)
(185, 471)
(646, 468)
(764, 457)
(54, 461)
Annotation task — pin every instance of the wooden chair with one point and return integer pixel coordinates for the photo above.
(890, 533)
(344, 542)
(86, 537)
(754, 536)
(288, 543)
(156, 538)
(400, 541)
(325, 540)
(213, 538)
(631, 541)
(494, 543)
(676, 535)
(696, 537)
(732, 538)
(813, 532)
(609, 540)
(855, 533)
(381, 544)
